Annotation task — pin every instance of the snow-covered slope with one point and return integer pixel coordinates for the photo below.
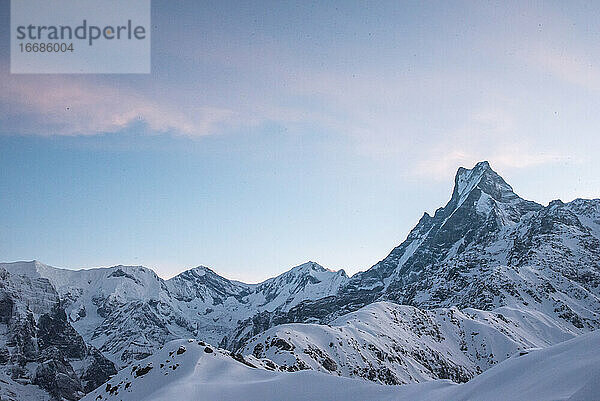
(185, 371)
(398, 344)
(128, 311)
(566, 371)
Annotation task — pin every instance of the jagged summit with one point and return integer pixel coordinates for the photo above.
(311, 266)
(486, 191)
(482, 204)
(483, 177)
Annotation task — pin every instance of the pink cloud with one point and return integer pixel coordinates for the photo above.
(63, 106)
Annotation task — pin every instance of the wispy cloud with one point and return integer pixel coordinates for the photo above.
(64, 106)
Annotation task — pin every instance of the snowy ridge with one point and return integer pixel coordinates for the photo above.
(185, 371)
(191, 370)
(397, 344)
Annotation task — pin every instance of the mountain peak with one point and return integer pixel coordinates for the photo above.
(468, 179)
(201, 269)
(307, 267)
(310, 266)
(303, 269)
(480, 166)
(490, 192)
(199, 272)
(481, 177)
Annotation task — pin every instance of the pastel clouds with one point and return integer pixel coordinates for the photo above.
(60, 105)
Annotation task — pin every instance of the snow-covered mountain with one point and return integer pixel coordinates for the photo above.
(128, 311)
(41, 354)
(488, 275)
(187, 370)
(485, 249)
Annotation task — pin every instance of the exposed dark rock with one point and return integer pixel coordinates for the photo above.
(121, 273)
(55, 331)
(240, 358)
(6, 307)
(98, 371)
(56, 376)
(48, 341)
(142, 371)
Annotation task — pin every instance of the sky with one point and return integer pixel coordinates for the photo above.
(273, 133)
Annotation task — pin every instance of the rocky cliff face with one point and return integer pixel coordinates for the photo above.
(39, 347)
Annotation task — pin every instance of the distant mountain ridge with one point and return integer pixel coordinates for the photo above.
(128, 311)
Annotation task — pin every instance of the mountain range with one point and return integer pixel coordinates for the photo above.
(488, 276)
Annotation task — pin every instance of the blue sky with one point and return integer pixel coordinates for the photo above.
(269, 134)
